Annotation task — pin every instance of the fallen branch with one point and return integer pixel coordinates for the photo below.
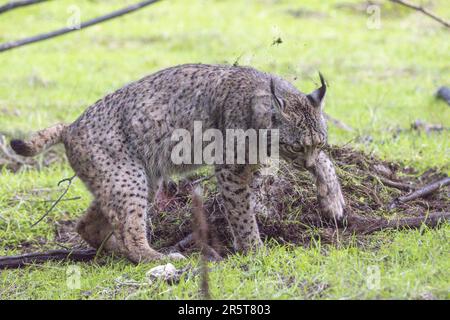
(393, 184)
(424, 11)
(338, 123)
(366, 225)
(420, 193)
(363, 225)
(202, 179)
(19, 261)
(185, 243)
(15, 44)
(18, 4)
(44, 201)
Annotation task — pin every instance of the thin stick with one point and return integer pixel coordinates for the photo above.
(420, 193)
(56, 33)
(102, 245)
(424, 11)
(364, 225)
(393, 184)
(201, 238)
(44, 201)
(69, 180)
(18, 4)
(338, 123)
(388, 182)
(19, 261)
(199, 180)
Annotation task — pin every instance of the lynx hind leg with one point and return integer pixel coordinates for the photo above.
(233, 183)
(126, 204)
(121, 190)
(329, 192)
(95, 229)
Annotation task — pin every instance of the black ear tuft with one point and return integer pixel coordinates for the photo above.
(316, 97)
(322, 81)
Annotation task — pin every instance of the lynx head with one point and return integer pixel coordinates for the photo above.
(299, 119)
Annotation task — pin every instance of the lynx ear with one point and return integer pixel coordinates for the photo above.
(279, 102)
(317, 96)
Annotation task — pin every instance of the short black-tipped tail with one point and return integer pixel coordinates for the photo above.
(39, 141)
(22, 148)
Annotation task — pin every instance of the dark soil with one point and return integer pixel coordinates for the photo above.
(369, 185)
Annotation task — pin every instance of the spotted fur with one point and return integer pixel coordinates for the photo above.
(120, 147)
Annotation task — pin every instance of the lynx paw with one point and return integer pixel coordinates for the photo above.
(332, 206)
(248, 245)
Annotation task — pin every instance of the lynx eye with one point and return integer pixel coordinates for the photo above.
(297, 149)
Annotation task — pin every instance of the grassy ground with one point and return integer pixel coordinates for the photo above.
(381, 80)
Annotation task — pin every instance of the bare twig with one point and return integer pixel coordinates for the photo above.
(18, 4)
(424, 11)
(199, 180)
(45, 36)
(102, 245)
(69, 180)
(18, 199)
(19, 261)
(201, 238)
(364, 225)
(420, 193)
(393, 184)
(338, 123)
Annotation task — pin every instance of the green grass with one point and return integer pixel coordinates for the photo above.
(380, 80)
(406, 271)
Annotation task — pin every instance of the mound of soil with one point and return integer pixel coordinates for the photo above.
(374, 191)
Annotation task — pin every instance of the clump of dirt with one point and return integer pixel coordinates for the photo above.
(370, 187)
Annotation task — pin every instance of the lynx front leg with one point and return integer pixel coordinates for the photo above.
(329, 192)
(233, 182)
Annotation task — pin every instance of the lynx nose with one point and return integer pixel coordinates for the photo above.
(311, 154)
